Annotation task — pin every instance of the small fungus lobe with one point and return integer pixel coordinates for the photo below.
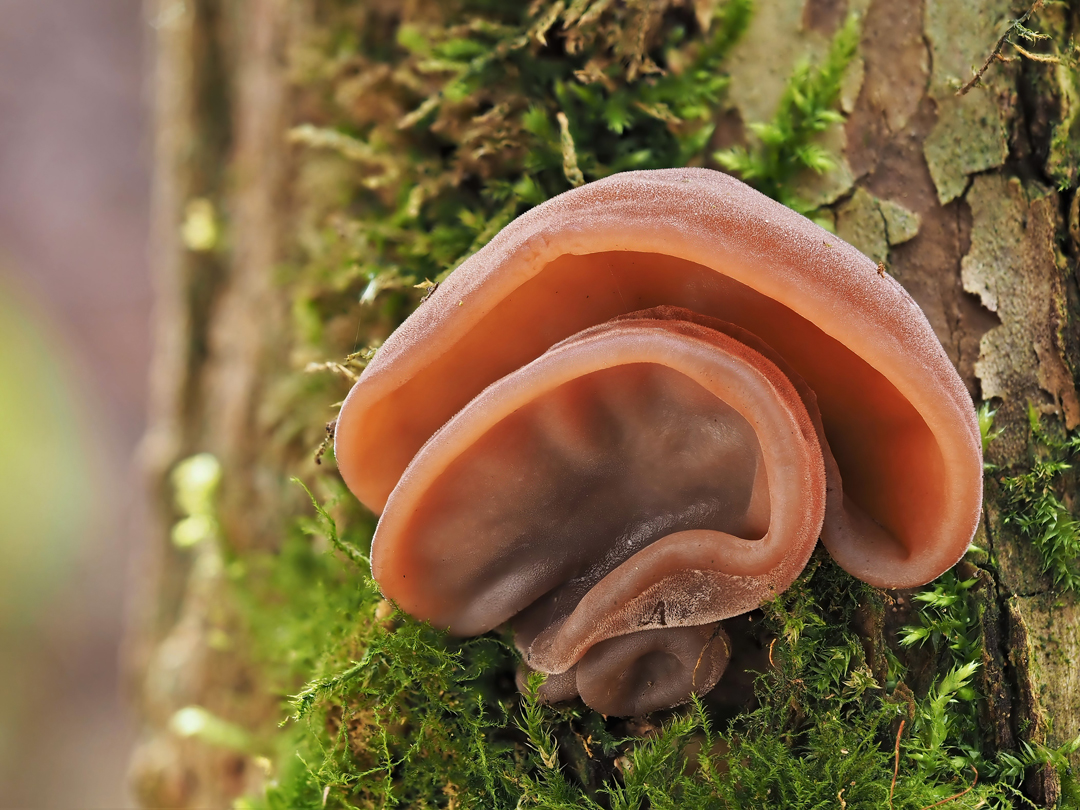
(631, 415)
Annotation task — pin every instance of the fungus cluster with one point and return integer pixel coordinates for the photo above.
(631, 415)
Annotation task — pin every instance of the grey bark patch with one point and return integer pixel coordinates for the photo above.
(859, 222)
(968, 137)
(901, 224)
(1054, 627)
(1044, 640)
(872, 225)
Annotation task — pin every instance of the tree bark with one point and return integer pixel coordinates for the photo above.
(954, 193)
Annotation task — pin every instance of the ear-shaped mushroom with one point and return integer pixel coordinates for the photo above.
(643, 474)
(667, 470)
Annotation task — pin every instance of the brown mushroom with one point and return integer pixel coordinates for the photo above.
(617, 485)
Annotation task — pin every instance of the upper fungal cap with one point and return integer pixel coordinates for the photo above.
(899, 420)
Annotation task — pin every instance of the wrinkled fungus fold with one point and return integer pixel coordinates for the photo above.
(631, 415)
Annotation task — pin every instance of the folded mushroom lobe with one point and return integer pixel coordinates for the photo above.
(899, 422)
(653, 669)
(644, 671)
(645, 474)
(846, 525)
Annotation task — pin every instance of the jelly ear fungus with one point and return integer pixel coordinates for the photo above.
(630, 416)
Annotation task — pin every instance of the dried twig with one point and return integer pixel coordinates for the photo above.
(569, 153)
(1047, 58)
(996, 53)
(896, 764)
(331, 429)
(958, 795)
(333, 366)
(715, 634)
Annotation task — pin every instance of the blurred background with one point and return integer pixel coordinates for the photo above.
(74, 348)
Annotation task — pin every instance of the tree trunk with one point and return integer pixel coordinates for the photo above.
(968, 199)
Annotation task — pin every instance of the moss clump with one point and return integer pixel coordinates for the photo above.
(786, 146)
(400, 715)
(1033, 499)
(461, 115)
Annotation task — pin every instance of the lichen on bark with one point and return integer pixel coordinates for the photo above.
(873, 225)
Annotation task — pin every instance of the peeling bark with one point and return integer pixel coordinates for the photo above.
(1012, 268)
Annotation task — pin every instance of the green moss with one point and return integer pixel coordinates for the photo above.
(1033, 499)
(481, 94)
(433, 131)
(947, 619)
(400, 715)
(787, 145)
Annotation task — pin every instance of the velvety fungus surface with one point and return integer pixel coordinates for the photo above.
(631, 415)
